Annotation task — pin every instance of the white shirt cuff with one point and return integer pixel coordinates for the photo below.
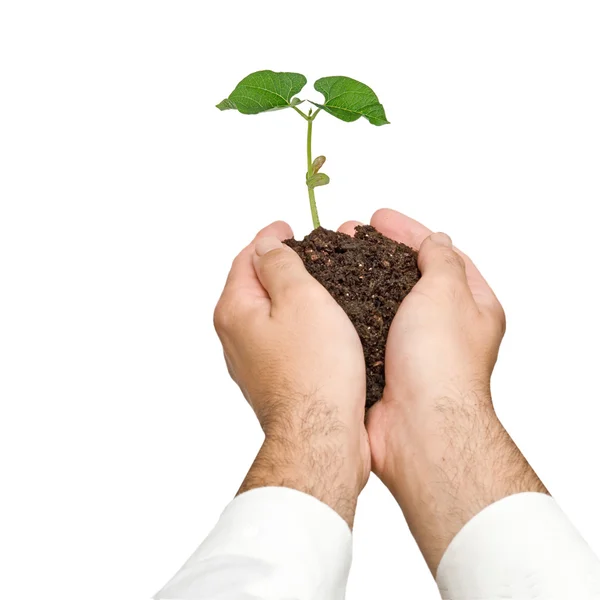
(270, 542)
(522, 547)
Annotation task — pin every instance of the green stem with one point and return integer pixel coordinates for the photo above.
(300, 112)
(311, 191)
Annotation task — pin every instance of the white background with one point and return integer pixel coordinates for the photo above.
(125, 194)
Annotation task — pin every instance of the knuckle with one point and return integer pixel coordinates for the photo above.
(500, 313)
(452, 259)
(500, 318)
(224, 315)
(278, 261)
(496, 320)
(276, 256)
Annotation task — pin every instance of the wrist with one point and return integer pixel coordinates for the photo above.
(326, 465)
(431, 447)
(420, 429)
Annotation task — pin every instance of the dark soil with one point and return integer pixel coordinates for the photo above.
(369, 275)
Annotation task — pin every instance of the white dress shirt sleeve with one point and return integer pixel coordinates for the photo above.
(522, 547)
(270, 543)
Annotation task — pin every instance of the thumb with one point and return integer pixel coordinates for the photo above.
(438, 259)
(278, 267)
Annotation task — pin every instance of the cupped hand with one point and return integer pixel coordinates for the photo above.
(298, 361)
(443, 343)
(435, 440)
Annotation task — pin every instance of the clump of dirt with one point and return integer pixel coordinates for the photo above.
(368, 275)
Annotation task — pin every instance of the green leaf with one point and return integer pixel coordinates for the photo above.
(318, 179)
(264, 90)
(348, 100)
(225, 104)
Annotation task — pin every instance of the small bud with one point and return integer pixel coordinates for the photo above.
(318, 163)
(318, 179)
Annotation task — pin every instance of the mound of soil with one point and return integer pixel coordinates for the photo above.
(368, 275)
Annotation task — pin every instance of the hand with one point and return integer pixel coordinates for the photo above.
(299, 362)
(436, 442)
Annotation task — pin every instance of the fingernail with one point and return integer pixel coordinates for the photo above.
(266, 244)
(442, 239)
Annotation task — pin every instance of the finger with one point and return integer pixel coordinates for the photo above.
(242, 276)
(438, 261)
(279, 269)
(348, 227)
(399, 227)
(403, 229)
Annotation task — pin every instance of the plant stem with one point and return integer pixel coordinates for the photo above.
(311, 191)
(300, 112)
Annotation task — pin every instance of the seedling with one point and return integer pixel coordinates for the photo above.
(345, 98)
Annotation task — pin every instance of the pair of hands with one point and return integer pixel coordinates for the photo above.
(433, 439)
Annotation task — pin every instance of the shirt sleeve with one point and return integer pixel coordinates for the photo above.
(270, 542)
(522, 547)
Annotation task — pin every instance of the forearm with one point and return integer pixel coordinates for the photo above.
(453, 462)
